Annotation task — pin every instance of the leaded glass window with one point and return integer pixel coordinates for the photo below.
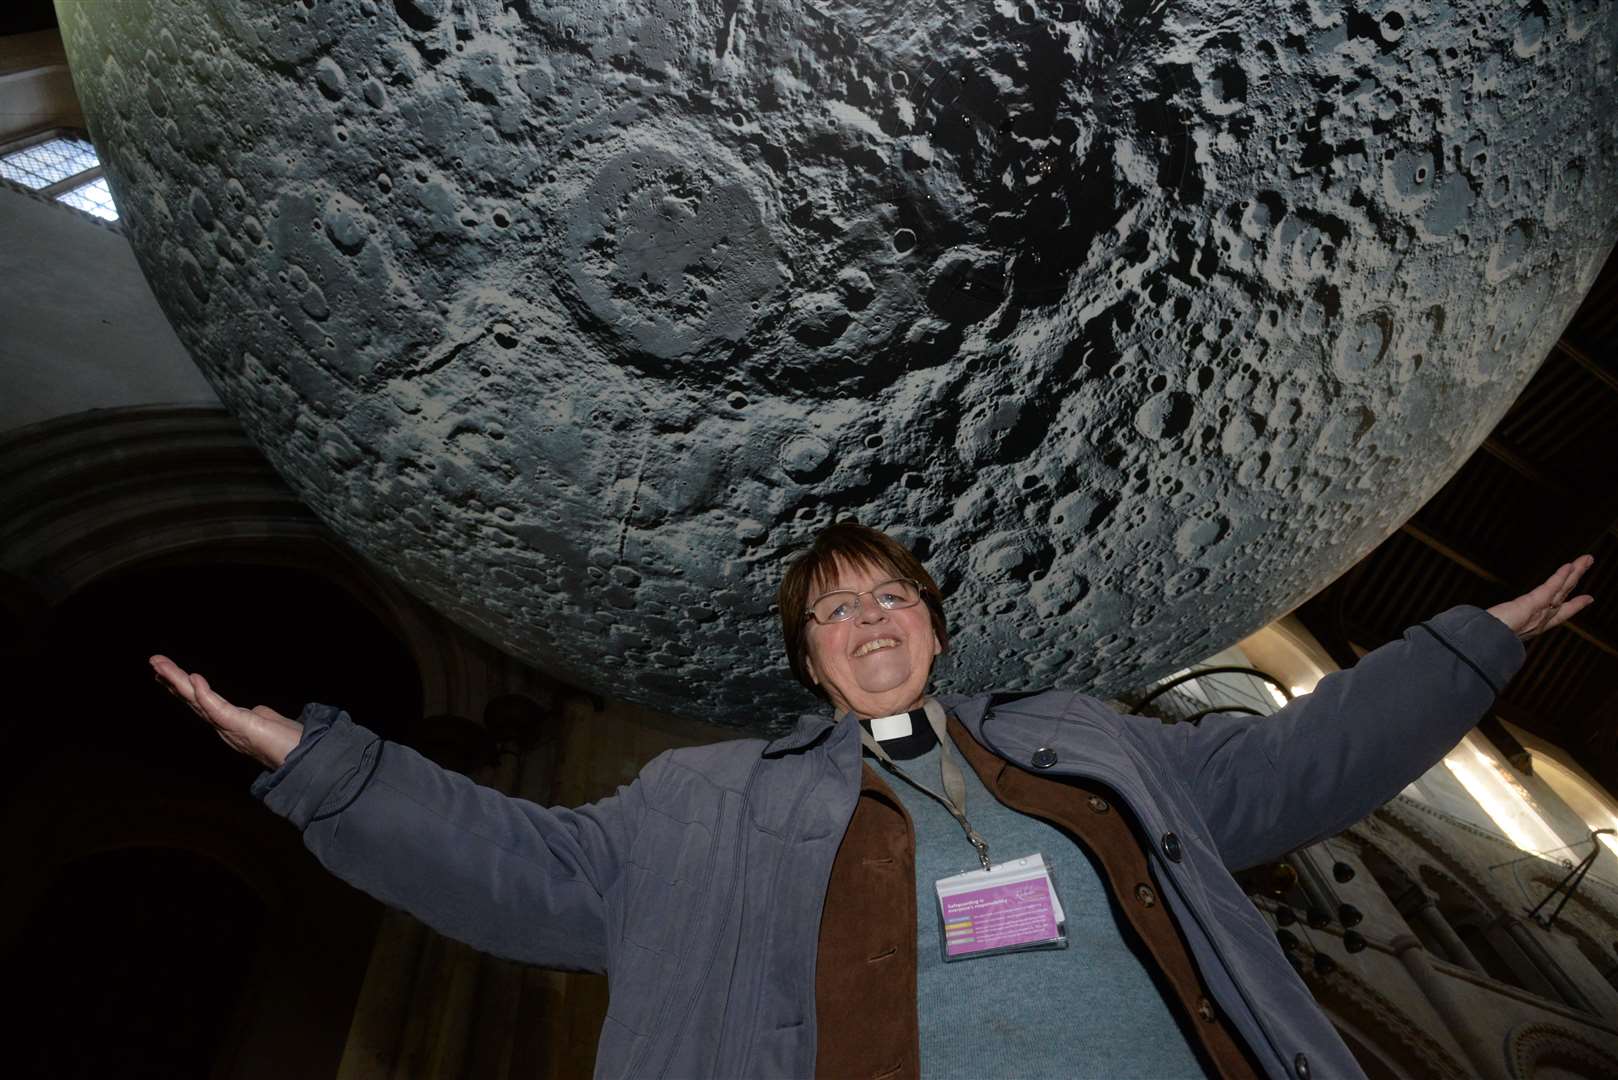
(92, 198)
(51, 162)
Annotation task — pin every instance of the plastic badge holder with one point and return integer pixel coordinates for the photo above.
(1011, 907)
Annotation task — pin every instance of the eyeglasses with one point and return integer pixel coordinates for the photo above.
(844, 604)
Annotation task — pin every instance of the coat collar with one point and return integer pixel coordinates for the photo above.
(810, 729)
(1068, 723)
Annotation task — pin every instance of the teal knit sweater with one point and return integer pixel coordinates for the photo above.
(1090, 1010)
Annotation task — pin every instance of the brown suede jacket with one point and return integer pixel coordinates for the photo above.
(867, 951)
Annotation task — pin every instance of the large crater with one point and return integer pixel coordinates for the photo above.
(1140, 321)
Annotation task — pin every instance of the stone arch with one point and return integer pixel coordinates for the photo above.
(161, 982)
(1389, 869)
(1392, 873)
(1419, 895)
(1486, 924)
(71, 515)
(1407, 821)
(73, 807)
(1471, 919)
(1534, 1046)
(1378, 1032)
(1592, 928)
(1583, 908)
(203, 835)
(92, 499)
(1445, 887)
(95, 508)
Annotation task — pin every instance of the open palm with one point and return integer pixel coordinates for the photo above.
(260, 732)
(1548, 606)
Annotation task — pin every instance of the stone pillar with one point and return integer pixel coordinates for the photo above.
(1541, 958)
(1477, 1040)
(1503, 936)
(1417, 906)
(376, 1031)
(1316, 886)
(434, 1009)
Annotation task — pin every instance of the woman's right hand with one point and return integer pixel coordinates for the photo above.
(260, 732)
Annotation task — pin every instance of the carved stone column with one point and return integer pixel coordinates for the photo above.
(1541, 958)
(1418, 907)
(434, 1009)
(1479, 1042)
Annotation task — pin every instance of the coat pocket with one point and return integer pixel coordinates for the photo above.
(665, 887)
(666, 878)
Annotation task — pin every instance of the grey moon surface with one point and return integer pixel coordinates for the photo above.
(1140, 321)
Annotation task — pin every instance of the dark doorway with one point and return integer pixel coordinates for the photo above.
(131, 966)
(261, 635)
(132, 939)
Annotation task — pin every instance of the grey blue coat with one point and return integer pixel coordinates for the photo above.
(698, 888)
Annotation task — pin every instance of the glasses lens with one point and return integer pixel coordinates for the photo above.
(835, 607)
(898, 593)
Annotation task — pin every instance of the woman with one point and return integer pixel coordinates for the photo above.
(777, 909)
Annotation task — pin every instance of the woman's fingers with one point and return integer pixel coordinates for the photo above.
(194, 690)
(259, 732)
(1568, 609)
(1547, 606)
(1576, 570)
(206, 700)
(215, 709)
(173, 678)
(1548, 594)
(1559, 608)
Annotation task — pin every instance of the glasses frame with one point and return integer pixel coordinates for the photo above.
(921, 594)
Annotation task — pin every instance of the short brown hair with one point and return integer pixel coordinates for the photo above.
(846, 544)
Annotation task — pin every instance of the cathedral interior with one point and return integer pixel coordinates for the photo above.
(157, 922)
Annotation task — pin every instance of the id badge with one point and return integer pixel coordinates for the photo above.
(1011, 907)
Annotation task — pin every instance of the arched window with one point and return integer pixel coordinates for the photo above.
(1585, 798)
(1511, 808)
(1412, 902)
(1471, 921)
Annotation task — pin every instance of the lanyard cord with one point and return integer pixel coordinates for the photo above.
(954, 797)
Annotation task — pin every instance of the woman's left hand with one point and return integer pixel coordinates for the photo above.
(1548, 606)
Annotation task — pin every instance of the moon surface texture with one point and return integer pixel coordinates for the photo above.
(1141, 321)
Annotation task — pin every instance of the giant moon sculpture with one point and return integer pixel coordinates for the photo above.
(1141, 320)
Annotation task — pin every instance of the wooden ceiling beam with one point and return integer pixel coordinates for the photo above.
(1503, 452)
(1581, 356)
(1507, 455)
(1451, 552)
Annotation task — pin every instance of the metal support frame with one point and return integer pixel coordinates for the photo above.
(1193, 676)
(1570, 881)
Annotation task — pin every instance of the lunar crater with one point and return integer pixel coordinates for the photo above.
(1140, 322)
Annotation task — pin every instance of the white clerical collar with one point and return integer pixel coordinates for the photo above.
(896, 726)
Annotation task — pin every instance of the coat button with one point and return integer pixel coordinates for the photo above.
(1099, 805)
(1146, 896)
(1171, 847)
(1300, 1065)
(1044, 757)
(1205, 1010)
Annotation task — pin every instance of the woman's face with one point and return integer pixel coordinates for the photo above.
(877, 663)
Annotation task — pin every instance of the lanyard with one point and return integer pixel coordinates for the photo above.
(954, 797)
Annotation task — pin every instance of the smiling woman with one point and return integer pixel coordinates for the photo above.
(832, 901)
(856, 630)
